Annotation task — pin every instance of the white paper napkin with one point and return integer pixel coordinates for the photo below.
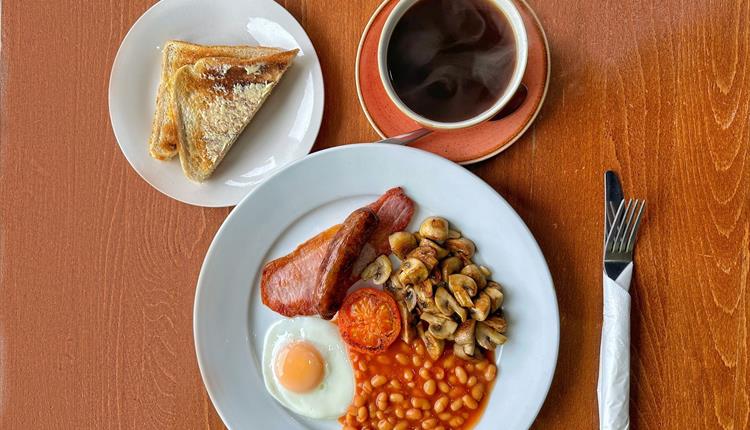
(613, 390)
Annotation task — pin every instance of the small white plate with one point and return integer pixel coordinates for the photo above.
(284, 129)
(229, 320)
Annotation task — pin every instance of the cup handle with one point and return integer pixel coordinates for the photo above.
(513, 104)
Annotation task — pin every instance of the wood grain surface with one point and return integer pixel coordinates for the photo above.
(96, 301)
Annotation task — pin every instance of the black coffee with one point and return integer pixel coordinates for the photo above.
(450, 60)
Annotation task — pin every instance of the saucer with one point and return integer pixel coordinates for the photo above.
(476, 143)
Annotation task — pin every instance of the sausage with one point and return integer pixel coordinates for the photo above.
(334, 277)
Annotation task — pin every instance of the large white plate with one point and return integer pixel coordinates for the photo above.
(321, 190)
(283, 131)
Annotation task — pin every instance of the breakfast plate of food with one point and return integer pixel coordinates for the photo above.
(375, 286)
(209, 99)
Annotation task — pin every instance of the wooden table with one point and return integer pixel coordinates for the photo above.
(96, 299)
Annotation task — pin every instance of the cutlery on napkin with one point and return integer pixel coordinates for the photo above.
(621, 222)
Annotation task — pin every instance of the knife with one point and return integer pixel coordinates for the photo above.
(612, 198)
(613, 394)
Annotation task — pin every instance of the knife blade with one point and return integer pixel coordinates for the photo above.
(612, 198)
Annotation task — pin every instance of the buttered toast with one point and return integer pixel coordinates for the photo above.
(214, 100)
(163, 141)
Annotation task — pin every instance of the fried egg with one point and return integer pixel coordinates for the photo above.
(306, 367)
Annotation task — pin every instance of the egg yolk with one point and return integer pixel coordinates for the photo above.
(300, 367)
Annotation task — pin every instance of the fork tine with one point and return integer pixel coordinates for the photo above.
(611, 213)
(632, 206)
(634, 229)
(609, 245)
(621, 226)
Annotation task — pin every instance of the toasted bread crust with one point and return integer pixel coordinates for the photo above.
(213, 102)
(176, 54)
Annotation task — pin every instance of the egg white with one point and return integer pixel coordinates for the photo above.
(333, 396)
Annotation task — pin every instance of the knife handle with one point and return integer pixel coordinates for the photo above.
(613, 391)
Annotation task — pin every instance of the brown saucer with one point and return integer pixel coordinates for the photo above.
(462, 146)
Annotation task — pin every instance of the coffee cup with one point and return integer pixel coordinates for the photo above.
(452, 64)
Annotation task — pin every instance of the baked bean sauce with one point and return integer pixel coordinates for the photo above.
(403, 388)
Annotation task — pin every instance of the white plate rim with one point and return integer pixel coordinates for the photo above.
(315, 122)
(200, 285)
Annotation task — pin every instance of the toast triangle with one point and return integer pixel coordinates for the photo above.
(162, 143)
(214, 100)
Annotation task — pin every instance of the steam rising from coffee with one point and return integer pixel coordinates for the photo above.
(449, 60)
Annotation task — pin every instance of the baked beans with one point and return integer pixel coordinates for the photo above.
(378, 380)
(383, 359)
(440, 404)
(424, 373)
(477, 392)
(359, 400)
(361, 414)
(469, 402)
(439, 373)
(396, 397)
(420, 403)
(402, 389)
(413, 414)
(382, 400)
(460, 375)
(384, 425)
(429, 387)
(456, 405)
(490, 373)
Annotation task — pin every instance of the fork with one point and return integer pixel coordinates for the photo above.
(618, 249)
